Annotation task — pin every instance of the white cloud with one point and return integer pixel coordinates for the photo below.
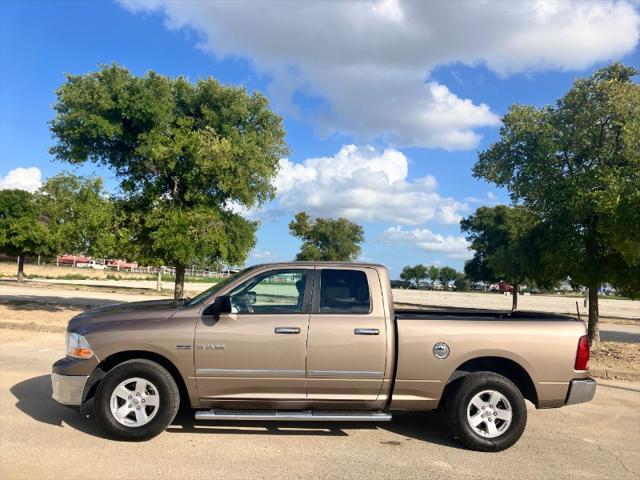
(490, 199)
(29, 179)
(424, 239)
(363, 184)
(372, 59)
(263, 255)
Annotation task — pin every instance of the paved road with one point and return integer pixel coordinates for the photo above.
(620, 333)
(40, 439)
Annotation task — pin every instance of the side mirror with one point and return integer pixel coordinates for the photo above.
(221, 304)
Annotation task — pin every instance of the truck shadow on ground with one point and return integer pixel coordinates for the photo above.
(34, 399)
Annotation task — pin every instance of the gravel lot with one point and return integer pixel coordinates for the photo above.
(41, 439)
(612, 308)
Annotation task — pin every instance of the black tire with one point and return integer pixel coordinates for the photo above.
(459, 402)
(167, 390)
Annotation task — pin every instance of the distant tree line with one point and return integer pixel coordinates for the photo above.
(69, 213)
(446, 276)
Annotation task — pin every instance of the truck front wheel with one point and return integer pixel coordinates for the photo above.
(487, 412)
(136, 400)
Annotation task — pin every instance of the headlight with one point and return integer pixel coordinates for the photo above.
(78, 347)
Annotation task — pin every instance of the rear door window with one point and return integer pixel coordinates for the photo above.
(344, 291)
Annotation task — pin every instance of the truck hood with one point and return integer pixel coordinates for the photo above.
(122, 314)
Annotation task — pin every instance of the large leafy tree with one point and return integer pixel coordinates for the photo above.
(576, 167)
(327, 238)
(82, 216)
(185, 153)
(507, 245)
(24, 230)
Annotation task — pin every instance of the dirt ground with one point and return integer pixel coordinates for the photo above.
(563, 304)
(10, 269)
(39, 317)
(622, 359)
(609, 308)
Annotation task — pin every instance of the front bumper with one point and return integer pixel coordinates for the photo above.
(68, 389)
(581, 391)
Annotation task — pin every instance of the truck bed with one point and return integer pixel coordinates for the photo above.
(542, 344)
(477, 314)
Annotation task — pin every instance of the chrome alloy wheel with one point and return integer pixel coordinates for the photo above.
(489, 413)
(134, 402)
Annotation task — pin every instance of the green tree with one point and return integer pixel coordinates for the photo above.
(23, 229)
(186, 155)
(414, 274)
(461, 282)
(82, 216)
(507, 246)
(446, 275)
(327, 238)
(476, 269)
(408, 274)
(433, 273)
(576, 167)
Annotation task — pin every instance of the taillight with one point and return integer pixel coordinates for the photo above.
(582, 355)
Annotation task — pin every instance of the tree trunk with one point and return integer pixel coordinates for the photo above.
(594, 329)
(178, 292)
(514, 296)
(159, 280)
(21, 267)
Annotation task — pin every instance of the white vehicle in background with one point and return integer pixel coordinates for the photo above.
(92, 264)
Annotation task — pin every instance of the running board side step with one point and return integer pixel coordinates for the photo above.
(297, 416)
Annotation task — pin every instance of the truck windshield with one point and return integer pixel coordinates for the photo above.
(209, 292)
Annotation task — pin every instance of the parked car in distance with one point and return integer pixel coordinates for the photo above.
(316, 341)
(502, 287)
(479, 286)
(92, 264)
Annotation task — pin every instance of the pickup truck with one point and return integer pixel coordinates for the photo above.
(317, 341)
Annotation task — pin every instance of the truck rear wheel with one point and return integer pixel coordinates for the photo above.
(136, 400)
(487, 412)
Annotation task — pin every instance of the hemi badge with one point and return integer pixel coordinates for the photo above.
(210, 347)
(183, 346)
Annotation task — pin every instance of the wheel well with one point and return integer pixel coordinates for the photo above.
(117, 358)
(502, 366)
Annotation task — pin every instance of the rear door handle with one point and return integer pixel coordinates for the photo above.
(366, 331)
(286, 330)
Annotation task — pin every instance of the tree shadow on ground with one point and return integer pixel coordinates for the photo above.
(30, 306)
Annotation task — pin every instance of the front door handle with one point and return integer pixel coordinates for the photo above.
(286, 330)
(366, 331)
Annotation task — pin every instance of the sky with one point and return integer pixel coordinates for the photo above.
(386, 104)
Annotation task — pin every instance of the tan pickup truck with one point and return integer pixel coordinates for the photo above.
(315, 341)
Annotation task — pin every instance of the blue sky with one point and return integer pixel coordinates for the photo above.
(385, 104)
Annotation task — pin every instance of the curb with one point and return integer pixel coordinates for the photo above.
(615, 373)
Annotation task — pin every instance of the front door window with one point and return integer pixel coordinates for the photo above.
(280, 291)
